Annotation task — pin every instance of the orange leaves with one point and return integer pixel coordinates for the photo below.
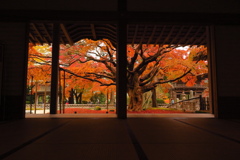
(150, 50)
(130, 51)
(39, 63)
(90, 63)
(190, 80)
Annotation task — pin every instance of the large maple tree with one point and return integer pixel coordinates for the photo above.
(82, 84)
(147, 65)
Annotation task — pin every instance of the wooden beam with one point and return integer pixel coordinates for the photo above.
(35, 39)
(46, 31)
(93, 31)
(169, 34)
(179, 32)
(73, 31)
(135, 35)
(65, 32)
(186, 35)
(30, 35)
(190, 39)
(31, 41)
(38, 32)
(62, 40)
(45, 40)
(201, 39)
(153, 33)
(204, 40)
(39, 41)
(103, 28)
(160, 35)
(144, 34)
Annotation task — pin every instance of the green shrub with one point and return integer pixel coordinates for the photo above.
(28, 102)
(201, 111)
(167, 109)
(98, 98)
(160, 101)
(97, 108)
(84, 102)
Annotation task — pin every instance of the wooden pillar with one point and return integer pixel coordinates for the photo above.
(55, 69)
(212, 81)
(121, 62)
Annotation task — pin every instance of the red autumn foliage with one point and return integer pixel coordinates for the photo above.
(83, 110)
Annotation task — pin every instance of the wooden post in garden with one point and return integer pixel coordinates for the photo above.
(31, 97)
(60, 92)
(63, 99)
(36, 98)
(107, 101)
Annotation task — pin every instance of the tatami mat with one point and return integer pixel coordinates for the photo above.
(162, 138)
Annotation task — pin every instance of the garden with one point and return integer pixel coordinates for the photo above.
(87, 75)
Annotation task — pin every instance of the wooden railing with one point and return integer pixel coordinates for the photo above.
(184, 85)
(194, 104)
(39, 106)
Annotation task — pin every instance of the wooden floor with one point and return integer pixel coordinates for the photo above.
(109, 138)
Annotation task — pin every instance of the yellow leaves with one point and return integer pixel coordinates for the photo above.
(44, 49)
(198, 53)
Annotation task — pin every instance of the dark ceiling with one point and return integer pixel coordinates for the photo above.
(40, 33)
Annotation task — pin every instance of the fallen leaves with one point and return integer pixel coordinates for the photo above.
(83, 110)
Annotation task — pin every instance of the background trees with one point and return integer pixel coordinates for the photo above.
(39, 67)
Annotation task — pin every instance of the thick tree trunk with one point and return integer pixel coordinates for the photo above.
(112, 98)
(135, 93)
(154, 98)
(146, 101)
(136, 99)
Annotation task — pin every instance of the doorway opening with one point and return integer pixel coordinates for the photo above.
(167, 69)
(86, 69)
